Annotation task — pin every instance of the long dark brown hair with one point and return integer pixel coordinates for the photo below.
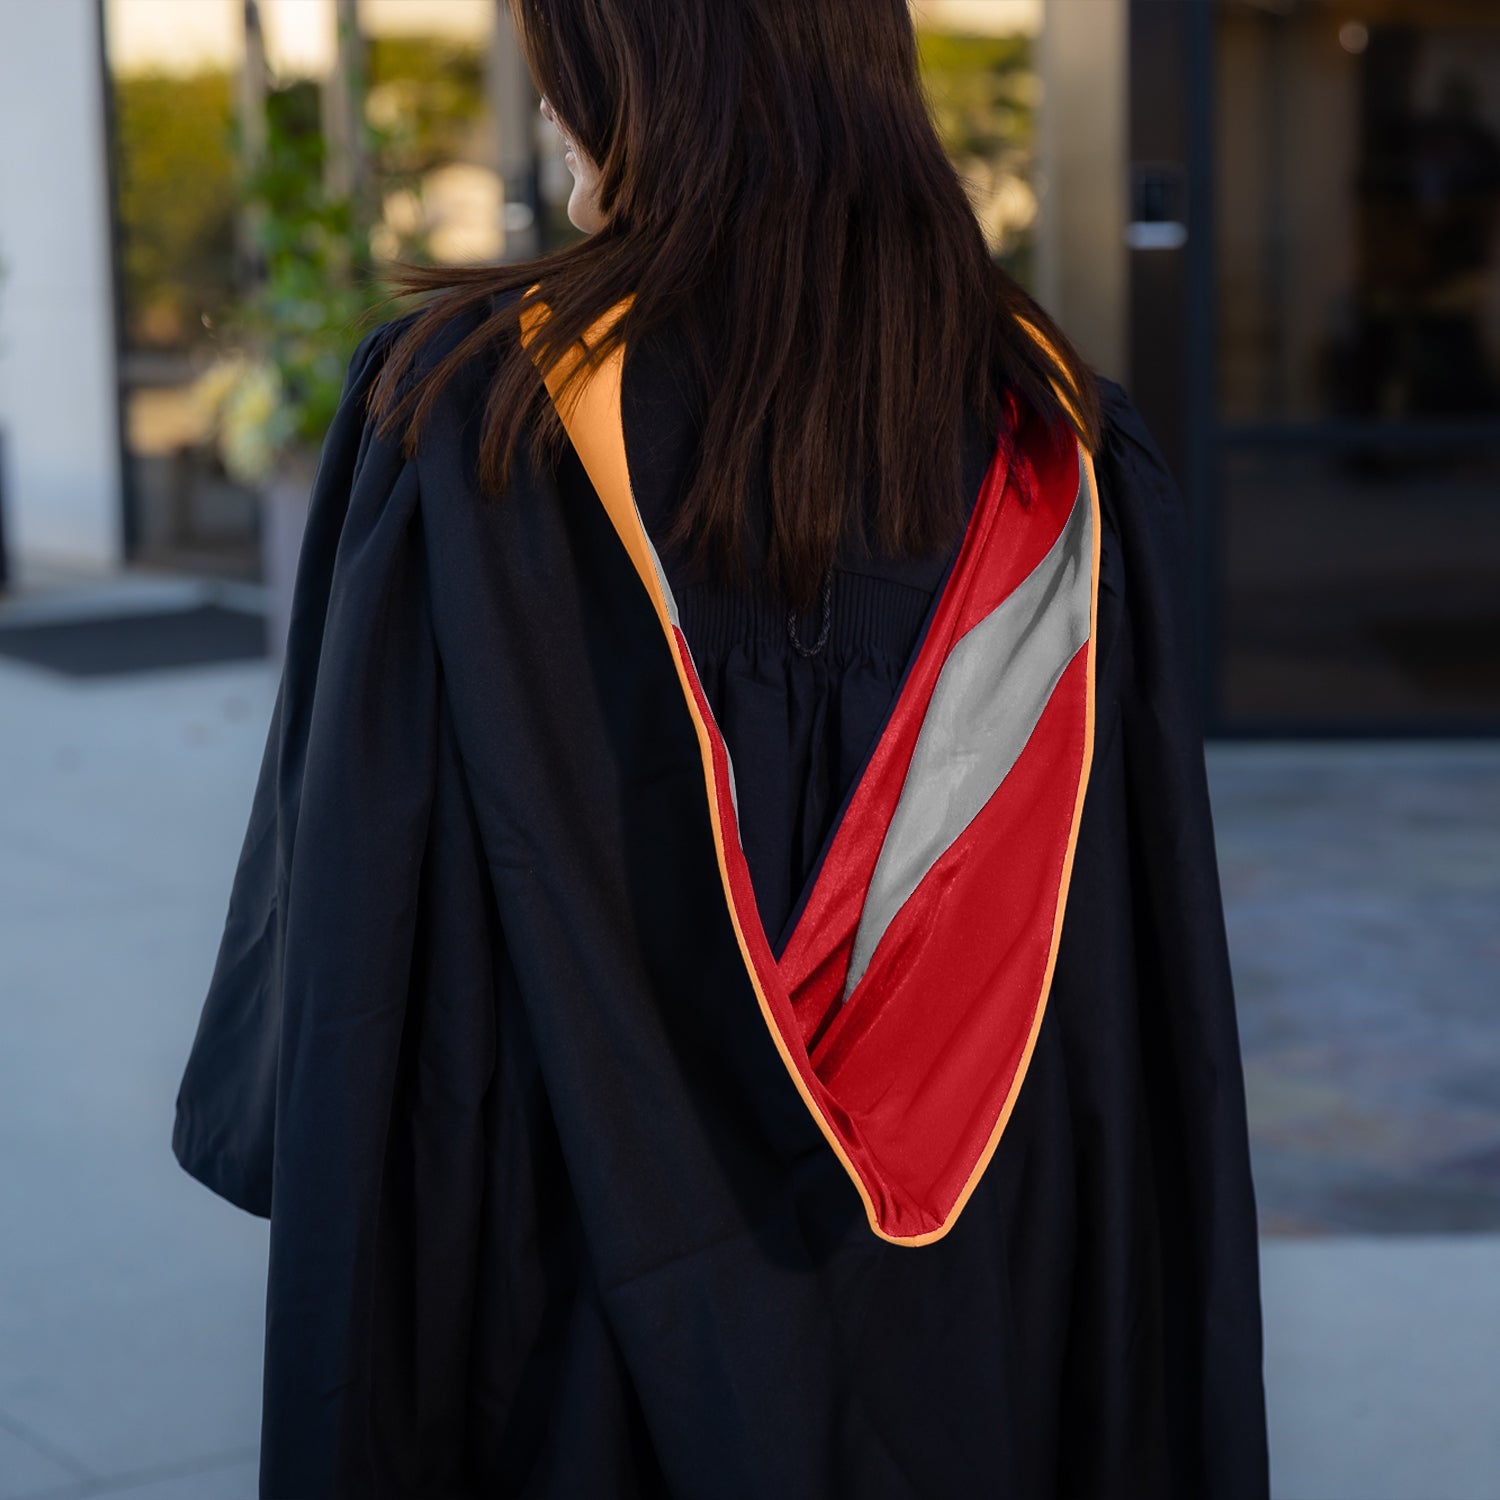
(773, 187)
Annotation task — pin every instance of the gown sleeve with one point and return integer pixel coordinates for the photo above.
(321, 896)
(1190, 1043)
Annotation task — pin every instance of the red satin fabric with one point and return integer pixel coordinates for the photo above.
(914, 1073)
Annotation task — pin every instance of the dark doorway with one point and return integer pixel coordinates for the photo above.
(1331, 395)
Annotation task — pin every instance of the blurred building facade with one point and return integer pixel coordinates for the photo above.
(1277, 222)
(1349, 329)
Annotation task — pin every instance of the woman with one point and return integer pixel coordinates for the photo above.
(724, 991)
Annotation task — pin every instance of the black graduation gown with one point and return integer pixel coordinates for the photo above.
(548, 1215)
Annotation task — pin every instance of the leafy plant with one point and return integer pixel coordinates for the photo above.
(427, 98)
(175, 166)
(271, 399)
(982, 91)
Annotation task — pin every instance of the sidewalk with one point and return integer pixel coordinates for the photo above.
(1362, 893)
(131, 1298)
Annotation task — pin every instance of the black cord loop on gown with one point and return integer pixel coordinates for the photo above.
(791, 621)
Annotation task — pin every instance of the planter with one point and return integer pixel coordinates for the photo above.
(4, 556)
(284, 505)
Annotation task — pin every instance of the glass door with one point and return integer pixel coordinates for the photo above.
(1355, 451)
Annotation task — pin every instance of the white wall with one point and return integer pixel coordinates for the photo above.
(62, 481)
